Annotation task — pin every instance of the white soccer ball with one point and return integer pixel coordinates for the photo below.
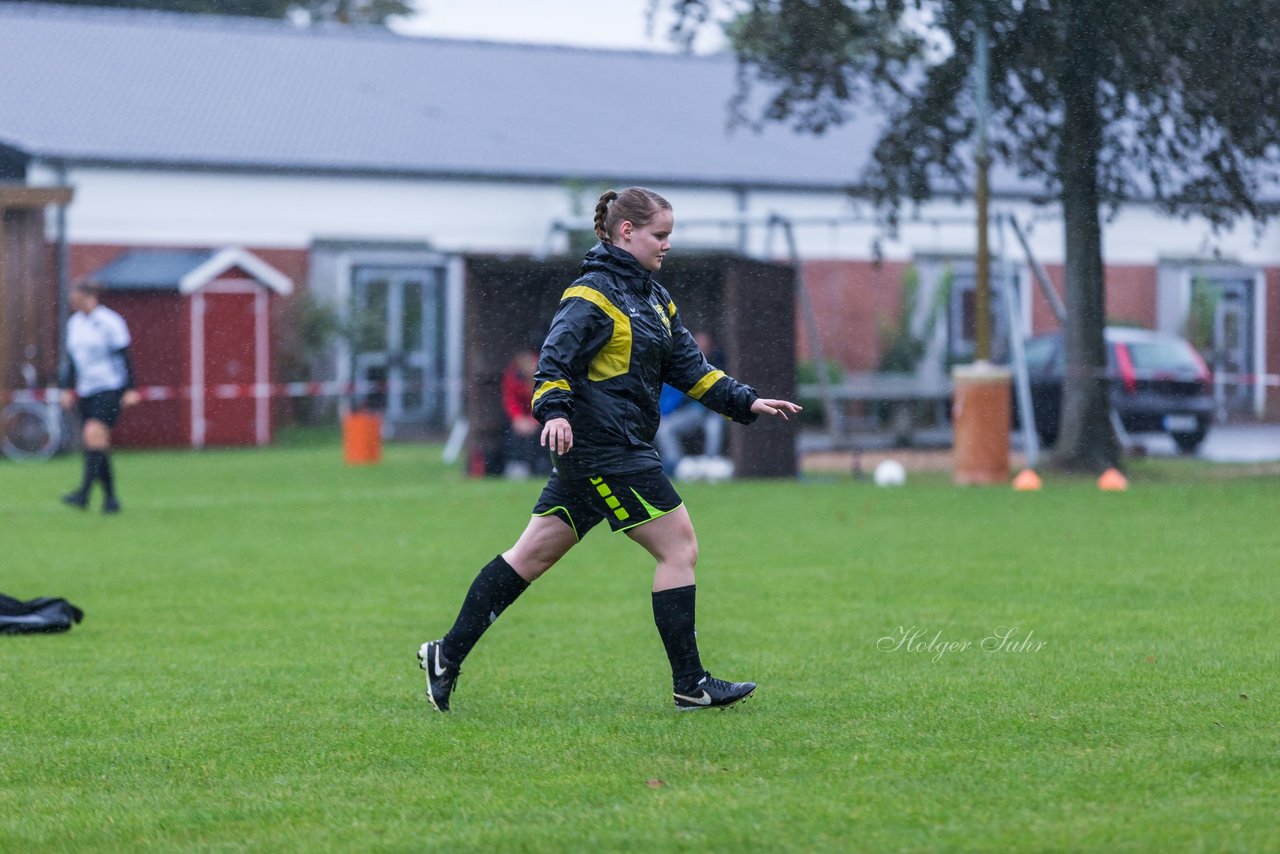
(717, 469)
(889, 473)
(690, 468)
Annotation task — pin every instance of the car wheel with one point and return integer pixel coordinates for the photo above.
(1189, 442)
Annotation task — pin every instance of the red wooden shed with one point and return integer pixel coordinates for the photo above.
(201, 327)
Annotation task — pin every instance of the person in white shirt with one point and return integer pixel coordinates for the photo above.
(98, 375)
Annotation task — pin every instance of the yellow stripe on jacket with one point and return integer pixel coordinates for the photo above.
(704, 385)
(548, 386)
(614, 358)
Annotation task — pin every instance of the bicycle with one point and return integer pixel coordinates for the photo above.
(31, 424)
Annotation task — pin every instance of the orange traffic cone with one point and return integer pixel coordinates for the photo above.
(1112, 481)
(1027, 481)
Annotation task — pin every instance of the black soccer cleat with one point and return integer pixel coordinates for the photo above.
(441, 674)
(713, 693)
(110, 505)
(76, 499)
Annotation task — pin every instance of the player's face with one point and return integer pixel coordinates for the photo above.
(650, 243)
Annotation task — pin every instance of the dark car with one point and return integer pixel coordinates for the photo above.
(1157, 383)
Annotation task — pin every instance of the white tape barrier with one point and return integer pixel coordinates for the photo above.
(219, 392)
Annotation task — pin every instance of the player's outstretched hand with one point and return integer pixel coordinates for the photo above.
(769, 406)
(558, 435)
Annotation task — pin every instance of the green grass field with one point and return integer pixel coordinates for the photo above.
(245, 676)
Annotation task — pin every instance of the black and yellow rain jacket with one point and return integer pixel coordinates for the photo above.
(616, 338)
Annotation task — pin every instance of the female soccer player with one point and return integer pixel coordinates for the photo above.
(616, 338)
(98, 373)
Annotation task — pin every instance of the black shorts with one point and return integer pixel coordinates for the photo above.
(626, 500)
(103, 406)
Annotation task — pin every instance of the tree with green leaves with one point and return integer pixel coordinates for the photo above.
(1172, 101)
(339, 11)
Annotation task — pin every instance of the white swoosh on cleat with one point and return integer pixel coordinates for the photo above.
(437, 669)
(704, 700)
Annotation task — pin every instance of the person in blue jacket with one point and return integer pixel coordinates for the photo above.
(683, 417)
(616, 338)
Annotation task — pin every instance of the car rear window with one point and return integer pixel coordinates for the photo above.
(1043, 354)
(1163, 356)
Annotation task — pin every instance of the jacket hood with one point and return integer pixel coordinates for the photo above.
(620, 262)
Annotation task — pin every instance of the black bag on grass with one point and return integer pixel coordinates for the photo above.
(36, 615)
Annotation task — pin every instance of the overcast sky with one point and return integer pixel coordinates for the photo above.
(619, 24)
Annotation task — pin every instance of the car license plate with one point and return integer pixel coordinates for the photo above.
(1181, 423)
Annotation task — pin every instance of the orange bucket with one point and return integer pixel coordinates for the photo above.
(362, 438)
(981, 413)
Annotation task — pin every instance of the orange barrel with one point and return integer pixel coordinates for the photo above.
(362, 438)
(980, 412)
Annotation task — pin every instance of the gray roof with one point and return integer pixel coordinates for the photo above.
(153, 88)
(149, 269)
(184, 270)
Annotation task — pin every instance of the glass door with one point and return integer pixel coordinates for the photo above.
(1232, 350)
(397, 334)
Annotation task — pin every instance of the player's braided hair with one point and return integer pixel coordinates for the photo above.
(635, 204)
(602, 213)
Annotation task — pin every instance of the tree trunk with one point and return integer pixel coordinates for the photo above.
(1086, 439)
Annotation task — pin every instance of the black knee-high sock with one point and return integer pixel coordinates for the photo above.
(90, 471)
(495, 587)
(105, 475)
(673, 612)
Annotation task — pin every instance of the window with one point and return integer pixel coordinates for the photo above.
(1163, 357)
(1044, 356)
(963, 326)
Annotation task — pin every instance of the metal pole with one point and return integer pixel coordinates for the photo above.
(982, 292)
(1042, 277)
(1018, 350)
(62, 260)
